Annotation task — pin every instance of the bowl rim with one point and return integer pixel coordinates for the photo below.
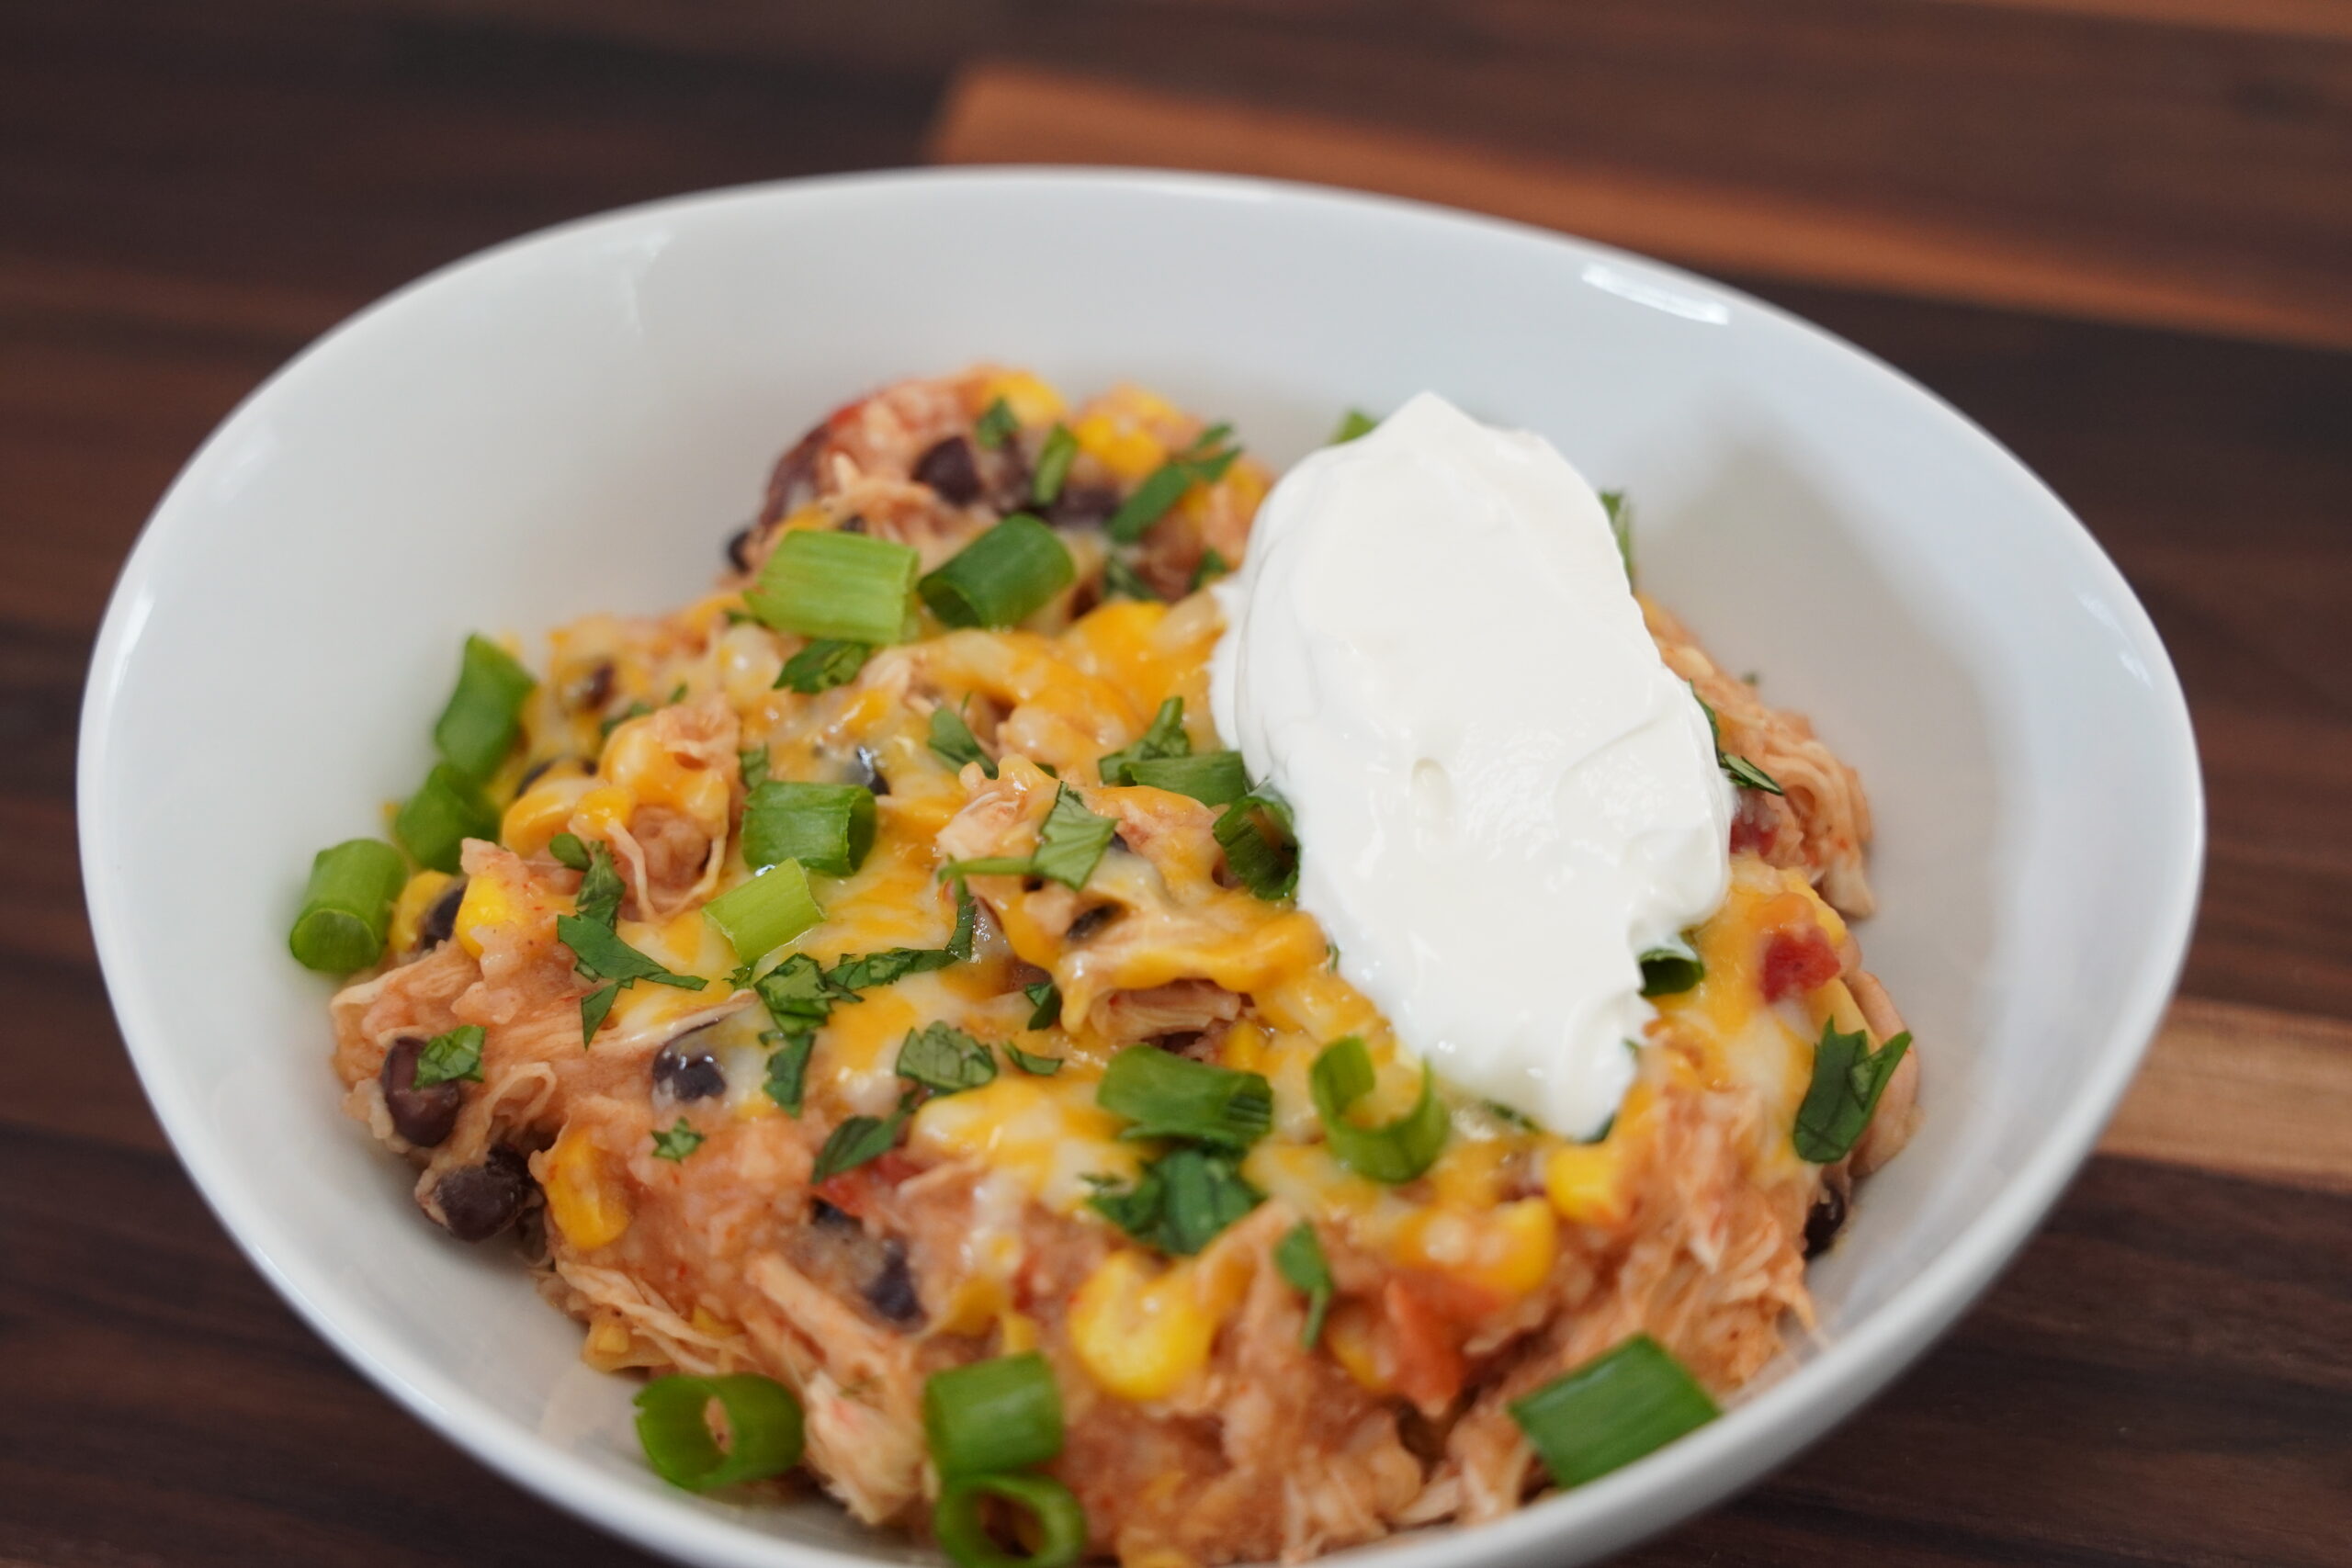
(1651, 1495)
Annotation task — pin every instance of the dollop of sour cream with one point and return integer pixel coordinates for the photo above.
(1503, 796)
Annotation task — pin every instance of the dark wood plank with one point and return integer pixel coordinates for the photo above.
(2165, 1378)
(186, 194)
(2160, 140)
(1016, 113)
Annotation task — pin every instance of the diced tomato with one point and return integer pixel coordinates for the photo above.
(855, 1192)
(1754, 824)
(1429, 1370)
(1798, 959)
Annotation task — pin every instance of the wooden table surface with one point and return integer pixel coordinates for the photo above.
(2117, 232)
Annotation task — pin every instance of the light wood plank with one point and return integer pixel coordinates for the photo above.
(999, 113)
(2243, 1091)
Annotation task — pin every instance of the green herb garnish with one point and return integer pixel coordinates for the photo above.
(945, 1059)
(1848, 1078)
(446, 1059)
(824, 663)
(1299, 1256)
(951, 741)
(1181, 1201)
(679, 1142)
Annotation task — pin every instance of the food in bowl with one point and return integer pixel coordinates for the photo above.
(887, 1010)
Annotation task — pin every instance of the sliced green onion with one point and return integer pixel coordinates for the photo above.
(1163, 737)
(765, 912)
(1213, 778)
(764, 1429)
(1615, 1408)
(347, 906)
(1003, 577)
(485, 713)
(945, 1059)
(1396, 1152)
(951, 741)
(996, 426)
(825, 826)
(1150, 502)
(1035, 1066)
(1621, 525)
(857, 1141)
(752, 763)
(676, 1144)
(1260, 846)
(1053, 465)
(825, 663)
(451, 1057)
(823, 583)
(1848, 1078)
(1299, 1256)
(788, 1073)
(1352, 424)
(993, 1415)
(435, 823)
(1167, 1095)
(1670, 971)
(1072, 840)
(1060, 1521)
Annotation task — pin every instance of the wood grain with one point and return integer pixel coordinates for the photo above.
(2328, 20)
(1017, 114)
(188, 192)
(2248, 1091)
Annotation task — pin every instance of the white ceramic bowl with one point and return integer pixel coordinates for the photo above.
(577, 420)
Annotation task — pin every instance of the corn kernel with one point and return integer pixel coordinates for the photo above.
(1033, 399)
(1124, 448)
(603, 812)
(542, 811)
(1350, 1336)
(1586, 1184)
(417, 896)
(607, 1346)
(1016, 1332)
(488, 902)
(587, 1206)
(1139, 1336)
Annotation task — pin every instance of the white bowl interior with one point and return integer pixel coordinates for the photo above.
(578, 421)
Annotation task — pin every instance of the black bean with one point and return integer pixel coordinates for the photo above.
(868, 771)
(1083, 506)
(687, 1070)
(793, 484)
(1091, 921)
(535, 772)
(592, 690)
(479, 1200)
(891, 1291)
(824, 1214)
(422, 1116)
(948, 468)
(853, 524)
(1825, 1219)
(440, 921)
(738, 546)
